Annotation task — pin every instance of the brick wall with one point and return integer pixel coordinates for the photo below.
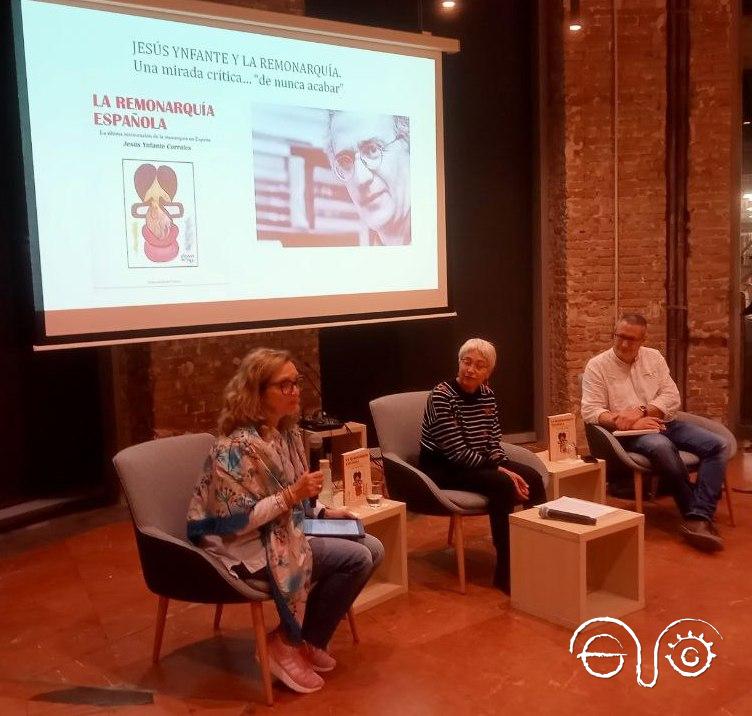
(713, 88)
(554, 224)
(588, 261)
(173, 387)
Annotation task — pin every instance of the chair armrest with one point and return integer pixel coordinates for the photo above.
(601, 442)
(178, 570)
(714, 427)
(526, 457)
(413, 487)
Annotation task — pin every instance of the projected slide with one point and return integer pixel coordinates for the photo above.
(183, 174)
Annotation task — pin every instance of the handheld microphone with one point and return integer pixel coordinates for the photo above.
(315, 450)
(549, 513)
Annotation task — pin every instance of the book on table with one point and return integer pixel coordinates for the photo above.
(562, 437)
(356, 468)
(572, 509)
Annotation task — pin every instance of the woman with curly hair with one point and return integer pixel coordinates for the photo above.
(248, 509)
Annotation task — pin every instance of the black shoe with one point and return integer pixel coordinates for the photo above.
(702, 535)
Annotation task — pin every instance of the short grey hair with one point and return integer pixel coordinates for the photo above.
(401, 129)
(485, 348)
(634, 319)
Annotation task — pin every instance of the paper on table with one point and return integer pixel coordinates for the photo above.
(579, 507)
(628, 433)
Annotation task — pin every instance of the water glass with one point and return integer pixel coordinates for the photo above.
(374, 495)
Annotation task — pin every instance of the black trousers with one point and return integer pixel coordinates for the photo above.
(502, 498)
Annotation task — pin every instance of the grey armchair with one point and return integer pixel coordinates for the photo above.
(158, 478)
(398, 421)
(604, 445)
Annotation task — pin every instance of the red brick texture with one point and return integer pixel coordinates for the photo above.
(591, 260)
(713, 88)
(554, 223)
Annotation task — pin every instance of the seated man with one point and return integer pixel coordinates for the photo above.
(629, 387)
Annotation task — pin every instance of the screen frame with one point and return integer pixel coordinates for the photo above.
(232, 17)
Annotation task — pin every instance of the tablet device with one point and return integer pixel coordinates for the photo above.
(352, 529)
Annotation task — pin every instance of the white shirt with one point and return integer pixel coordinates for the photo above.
(610, 384)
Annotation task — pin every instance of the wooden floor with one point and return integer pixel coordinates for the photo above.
(76, 624)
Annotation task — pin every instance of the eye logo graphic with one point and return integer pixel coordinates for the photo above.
(690, 654)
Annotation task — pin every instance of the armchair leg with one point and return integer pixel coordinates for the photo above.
(451, 530)
(257, 613)
(353, 626)
(728, 502)
(638, 490)
(159, 628)
(217, 616)
(459, 545)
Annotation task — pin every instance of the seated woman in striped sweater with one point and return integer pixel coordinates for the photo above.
(460, 447)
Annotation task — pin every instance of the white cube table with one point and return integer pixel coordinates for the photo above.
(387, 522)
(567, 573)
(575, 478)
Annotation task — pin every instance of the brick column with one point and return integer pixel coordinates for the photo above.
(714, 88)
(597, 244)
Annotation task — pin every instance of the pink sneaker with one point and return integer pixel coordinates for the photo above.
(319, 659)
(291, 668)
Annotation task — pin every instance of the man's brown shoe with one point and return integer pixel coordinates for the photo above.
(701, 535)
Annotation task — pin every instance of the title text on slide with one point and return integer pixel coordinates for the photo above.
(145, 104)
(238, 59)
(316, 72)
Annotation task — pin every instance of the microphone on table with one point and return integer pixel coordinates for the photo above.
(551, 513)
(315, 451)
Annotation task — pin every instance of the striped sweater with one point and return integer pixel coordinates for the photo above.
(462, 427)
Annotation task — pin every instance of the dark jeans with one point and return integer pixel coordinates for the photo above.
(502, 498)
(662, 449)
(341, 568)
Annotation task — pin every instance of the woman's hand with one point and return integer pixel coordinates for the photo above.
(520, 486)
(307, 485)
(339, 513)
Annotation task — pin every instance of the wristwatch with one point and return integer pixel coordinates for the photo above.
(644, 410)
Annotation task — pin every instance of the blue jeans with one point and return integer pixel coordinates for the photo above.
(662, 449)
(341, 568)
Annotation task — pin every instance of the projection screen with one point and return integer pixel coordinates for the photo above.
(197, 167)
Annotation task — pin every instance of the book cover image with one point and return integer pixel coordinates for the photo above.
(562, 437)
(356, 466)
(160, 214)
